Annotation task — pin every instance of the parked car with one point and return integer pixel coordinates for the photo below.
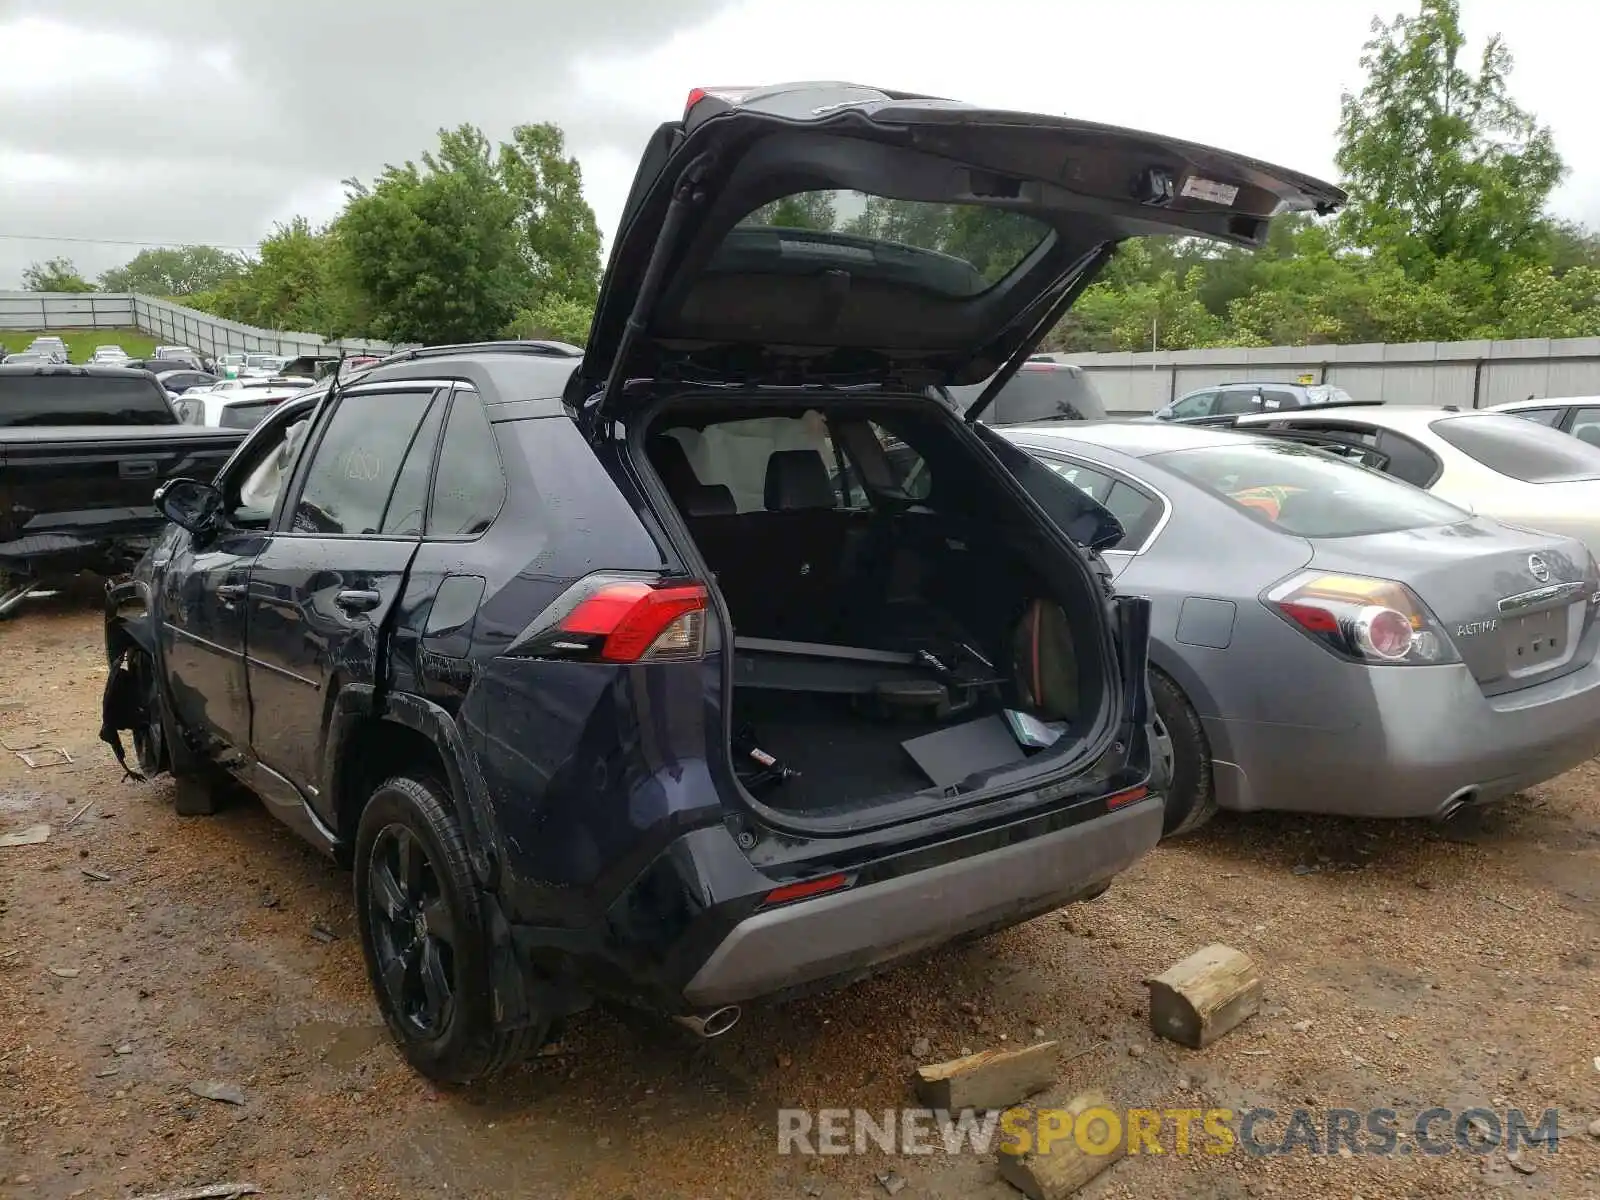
(1327, 639)
(27, 358)
(508, 631)
(1491, 463)
(1224, 402)
(82, 449)
(53, 348)
(1041, 390)
(260, 366)
(109, 355)
(1577, 415)
(179, 380)
(238, 403)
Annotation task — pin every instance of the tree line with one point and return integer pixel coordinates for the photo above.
(1447, 236)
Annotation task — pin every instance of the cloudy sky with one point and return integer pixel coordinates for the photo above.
(170, 121)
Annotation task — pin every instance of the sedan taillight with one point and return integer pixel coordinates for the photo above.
(1361, 618)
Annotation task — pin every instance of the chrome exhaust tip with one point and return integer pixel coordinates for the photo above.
(711, 1024)
(1453, 806)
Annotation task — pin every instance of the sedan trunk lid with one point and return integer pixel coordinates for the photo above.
(1518, 606)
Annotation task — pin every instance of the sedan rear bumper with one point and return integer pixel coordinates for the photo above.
(1427, 741)
(848, 933)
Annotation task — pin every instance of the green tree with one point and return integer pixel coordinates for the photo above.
(297, 283)
(559, 233)
(1541, 303)
(54, 275)
(435, 249)
(173, 271)
(1440, 161)
(556, 318)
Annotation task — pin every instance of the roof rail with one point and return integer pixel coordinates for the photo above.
(543, 349)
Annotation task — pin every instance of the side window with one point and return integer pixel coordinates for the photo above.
(1082, 478)
(1137, 511)
(1541, 416)
(1408, 460)
(470, 486)
(408, 504)
(1241, 401)
(356, 464)
(1198, 405)
(1586, 425)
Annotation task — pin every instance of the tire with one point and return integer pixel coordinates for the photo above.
(158, 746)
(425, 940)
(1191, 797)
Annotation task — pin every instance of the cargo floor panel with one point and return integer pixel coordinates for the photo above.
(843, 756)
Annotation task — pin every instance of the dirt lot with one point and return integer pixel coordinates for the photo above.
(1449, 966)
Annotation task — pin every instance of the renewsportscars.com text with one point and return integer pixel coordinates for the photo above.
(1259, 1132)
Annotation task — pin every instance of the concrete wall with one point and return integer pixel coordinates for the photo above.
(1466, 374)
(165, 321)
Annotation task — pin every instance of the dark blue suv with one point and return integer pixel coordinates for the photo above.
(732, 659)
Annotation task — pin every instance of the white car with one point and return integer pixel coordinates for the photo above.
(1492, 463)
(109, 355)
(1577, 415)
(236, 403)
(261, 366)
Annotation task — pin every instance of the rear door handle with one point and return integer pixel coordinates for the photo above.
(358, 601)
(232, 591)
(137, 468)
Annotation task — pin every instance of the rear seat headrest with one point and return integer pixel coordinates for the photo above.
(798, 479)
(709, 500)
(671, 462)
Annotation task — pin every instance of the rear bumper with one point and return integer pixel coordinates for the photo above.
(1427, 741)
(845, 934)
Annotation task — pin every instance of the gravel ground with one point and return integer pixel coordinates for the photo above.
(1407, 966)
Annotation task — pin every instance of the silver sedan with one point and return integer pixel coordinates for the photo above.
(1328, 639)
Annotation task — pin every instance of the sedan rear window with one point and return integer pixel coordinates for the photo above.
(1521, 449)
(1308, 492)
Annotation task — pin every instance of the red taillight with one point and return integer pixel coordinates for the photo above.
(638, 621)
(811, 887)
(1362, 618)
(1118, 799)
(1310, 618)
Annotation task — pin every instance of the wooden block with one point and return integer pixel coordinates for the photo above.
(1065, 1166)
(1196, 1001)
(990, 1079)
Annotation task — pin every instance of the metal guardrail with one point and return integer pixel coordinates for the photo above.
(166, 322)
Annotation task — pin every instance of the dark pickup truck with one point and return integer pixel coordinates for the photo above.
(82, 450)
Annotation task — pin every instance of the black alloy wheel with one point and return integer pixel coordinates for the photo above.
(413, 932)
(424, 924)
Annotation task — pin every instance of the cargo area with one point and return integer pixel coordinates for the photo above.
(890, 634)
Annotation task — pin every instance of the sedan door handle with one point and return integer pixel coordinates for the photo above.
(358, 601)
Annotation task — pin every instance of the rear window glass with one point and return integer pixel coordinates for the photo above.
(1520, 449)
(1306, 492)
(1038, 394)
(954, 250)
(82, 400)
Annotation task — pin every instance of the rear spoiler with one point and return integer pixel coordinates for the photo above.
(1346, 446)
